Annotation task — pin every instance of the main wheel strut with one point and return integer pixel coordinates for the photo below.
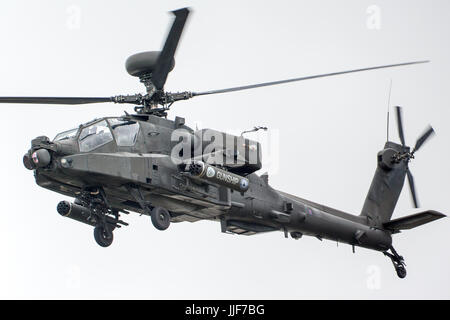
(397, 261)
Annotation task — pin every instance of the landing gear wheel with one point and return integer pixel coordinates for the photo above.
(160, 218)
(397, 261)
(401, 271)
(102, 236)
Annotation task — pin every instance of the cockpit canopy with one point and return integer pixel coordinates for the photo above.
(66, 135)
(125, 131)
(96, 134)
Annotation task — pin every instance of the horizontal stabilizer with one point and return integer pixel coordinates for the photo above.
(412, 221)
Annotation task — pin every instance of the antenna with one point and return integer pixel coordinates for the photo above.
(254, 130)
(389, 103)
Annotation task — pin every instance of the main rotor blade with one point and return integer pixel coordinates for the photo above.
(400, 125)
(165, 58)
(412, 188)
(54, 100)
(266, 84)
(427, 134)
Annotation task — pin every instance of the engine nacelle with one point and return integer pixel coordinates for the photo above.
(236, 153)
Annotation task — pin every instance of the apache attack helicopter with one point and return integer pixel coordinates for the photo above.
(151, 165)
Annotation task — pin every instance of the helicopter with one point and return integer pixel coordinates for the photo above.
(148, 164)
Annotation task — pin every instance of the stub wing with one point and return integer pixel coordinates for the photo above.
(412, 221)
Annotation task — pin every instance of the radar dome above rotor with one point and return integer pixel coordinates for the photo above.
(144, 63)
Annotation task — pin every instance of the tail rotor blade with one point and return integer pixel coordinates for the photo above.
(427, 134)
(166, 56)
(412, 188)
(400, 125)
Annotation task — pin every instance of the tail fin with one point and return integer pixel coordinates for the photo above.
(392, 168)
(386, 186)
(412, 221)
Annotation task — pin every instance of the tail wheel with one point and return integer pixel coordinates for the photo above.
(102, 236)
(397, 261)
(401, 271)
(160, 218)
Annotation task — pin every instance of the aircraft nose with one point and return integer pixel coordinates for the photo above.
(39, 158)
(27, 162)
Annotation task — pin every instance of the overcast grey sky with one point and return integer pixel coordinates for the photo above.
(323, 139)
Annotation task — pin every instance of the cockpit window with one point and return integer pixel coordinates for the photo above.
(94, 136)
(125, 131)
(66, 135)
